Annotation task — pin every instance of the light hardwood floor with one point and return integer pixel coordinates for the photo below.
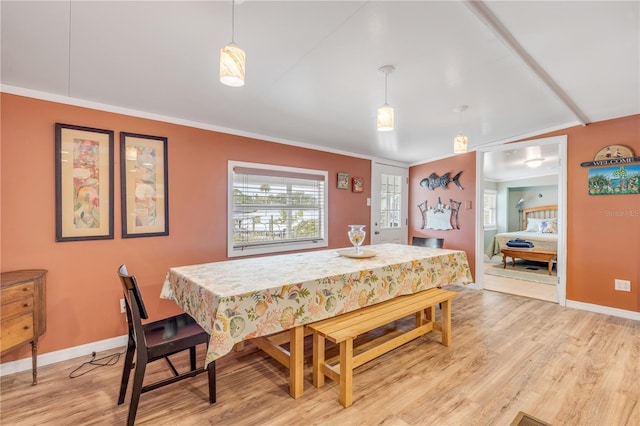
(509, 354)
(521, 288)
(518, 287)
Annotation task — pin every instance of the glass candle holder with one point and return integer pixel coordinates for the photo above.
(356, 236)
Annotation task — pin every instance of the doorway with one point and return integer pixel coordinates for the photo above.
(512, 163)
(389, 204)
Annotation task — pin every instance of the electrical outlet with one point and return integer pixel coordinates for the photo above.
(622, 285)
(123, 307)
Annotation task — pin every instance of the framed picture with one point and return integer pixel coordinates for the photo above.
(622, 179)
(357, 185)
(84, 183)
(144, 185)
(343, 180)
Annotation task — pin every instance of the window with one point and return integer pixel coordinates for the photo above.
(275, 208)
(489, 213)
(390, 201)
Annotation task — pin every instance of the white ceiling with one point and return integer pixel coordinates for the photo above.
(312, 66)
(511, 164)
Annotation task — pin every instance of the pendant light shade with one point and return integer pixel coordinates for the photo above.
(232, 59)
(460, 142)
(384, 117)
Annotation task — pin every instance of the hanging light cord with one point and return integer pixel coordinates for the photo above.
(386, 74)
(233, 20)
(69, 61)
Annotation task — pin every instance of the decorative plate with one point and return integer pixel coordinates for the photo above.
(364, 254)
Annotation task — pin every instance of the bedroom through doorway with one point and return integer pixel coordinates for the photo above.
(522, 212)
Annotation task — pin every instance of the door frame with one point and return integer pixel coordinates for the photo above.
(561, 265)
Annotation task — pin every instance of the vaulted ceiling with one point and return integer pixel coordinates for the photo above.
(522, 67)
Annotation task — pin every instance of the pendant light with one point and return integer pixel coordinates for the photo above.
(232, 59)
(384, 117)
(460, 142)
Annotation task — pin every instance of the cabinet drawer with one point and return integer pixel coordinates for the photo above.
(8, 295)
(22, 306)
(16, 331)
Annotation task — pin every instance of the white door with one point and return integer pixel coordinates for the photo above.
(389, 201)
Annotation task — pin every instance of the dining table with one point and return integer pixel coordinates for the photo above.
(258, 297)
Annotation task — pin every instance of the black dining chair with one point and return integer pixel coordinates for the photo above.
(428, 242)
(157, 340)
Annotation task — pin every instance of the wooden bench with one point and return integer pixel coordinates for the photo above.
(528, 254)
(343, 329)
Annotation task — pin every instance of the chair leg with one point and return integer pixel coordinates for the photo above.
(138, 377)
(126, 370)
(192, 357)
(211, 372)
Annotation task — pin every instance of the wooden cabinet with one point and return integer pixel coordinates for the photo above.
(23, 311)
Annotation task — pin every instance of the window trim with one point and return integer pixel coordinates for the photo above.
(273, 248)
(494, 193)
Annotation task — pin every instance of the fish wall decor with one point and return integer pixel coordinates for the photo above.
(434, 181)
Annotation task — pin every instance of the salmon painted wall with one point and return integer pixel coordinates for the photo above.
(460, 239)
(83, 290)
(603, 231)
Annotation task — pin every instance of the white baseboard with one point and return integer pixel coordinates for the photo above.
(64, 355)
(604, 310)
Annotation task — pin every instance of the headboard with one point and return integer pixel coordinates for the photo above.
(542, 212)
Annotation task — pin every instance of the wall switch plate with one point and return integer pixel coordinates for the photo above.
(622, 285)
(123, 307)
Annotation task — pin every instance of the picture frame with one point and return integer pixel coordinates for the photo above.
(83, 183)
(144, 185)
(357, 184)
(343, 180)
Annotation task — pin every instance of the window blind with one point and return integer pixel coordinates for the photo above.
(275, 206)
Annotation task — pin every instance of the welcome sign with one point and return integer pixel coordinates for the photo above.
(612, 154)
(624, 178)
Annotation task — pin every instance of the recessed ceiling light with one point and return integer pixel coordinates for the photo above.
(534, 162)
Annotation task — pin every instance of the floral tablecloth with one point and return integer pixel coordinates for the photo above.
(241, 299)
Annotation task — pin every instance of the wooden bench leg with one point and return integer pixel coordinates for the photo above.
(430, 313)
(446, 322)
(317, 376)
(346, 373)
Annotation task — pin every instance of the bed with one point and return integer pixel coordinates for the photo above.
(539, 225)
